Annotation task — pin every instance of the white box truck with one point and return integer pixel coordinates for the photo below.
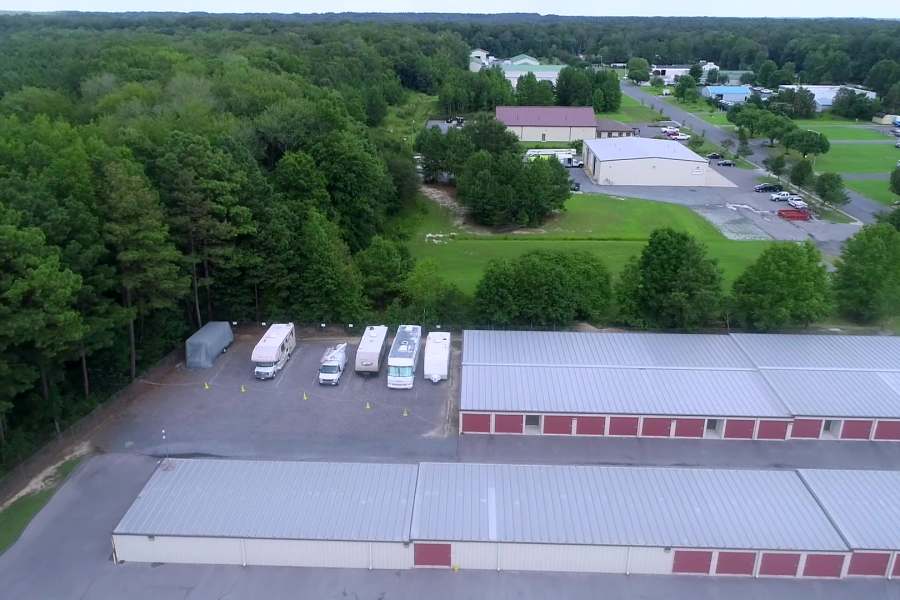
(403, 357)
(332, 364)
(437, 356)
(370, 350)
(274, 350)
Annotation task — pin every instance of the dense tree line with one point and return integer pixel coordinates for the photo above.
(157, 178)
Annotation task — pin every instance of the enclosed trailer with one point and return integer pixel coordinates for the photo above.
(370, 350)
(207, 343)
(437, 356)
(274, 350)
(403, 357)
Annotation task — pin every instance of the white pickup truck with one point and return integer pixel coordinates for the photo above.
(784, 197)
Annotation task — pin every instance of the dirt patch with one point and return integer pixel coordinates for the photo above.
(49, 476)
(445, 196)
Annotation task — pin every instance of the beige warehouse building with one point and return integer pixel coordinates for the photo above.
(549, 123)
(648, 162)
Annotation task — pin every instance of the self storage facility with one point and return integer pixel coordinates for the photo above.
(628, 520)
(737, 386)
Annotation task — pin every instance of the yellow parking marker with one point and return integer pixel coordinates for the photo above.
(243, 389)
(205, 385)
(368, 405)
(305, 396)
(405, 412)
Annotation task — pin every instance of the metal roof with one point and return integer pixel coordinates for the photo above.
(637, 350)
(562, 504)
(633, 148)
(611, 125)
(275, 500)
(837, 393)
(547, 116)
(863, 505)
(406, 342)
(618, 391)
(841, 352)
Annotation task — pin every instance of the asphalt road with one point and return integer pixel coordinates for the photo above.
(858, 206)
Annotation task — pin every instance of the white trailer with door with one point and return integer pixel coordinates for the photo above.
(436, 365)
(403, 357)
(274, 350)
(370, 350)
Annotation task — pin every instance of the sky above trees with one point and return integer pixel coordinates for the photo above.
(885, 9)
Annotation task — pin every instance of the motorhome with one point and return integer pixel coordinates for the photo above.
(370, 350)
(403, 357)
(567, 157)
(273, 350)
(436, 364)
(332, 364)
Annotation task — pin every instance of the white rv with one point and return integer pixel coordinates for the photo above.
(370, 350)
(332, 365)
(437, 356)
(273, 350)
(403, 357)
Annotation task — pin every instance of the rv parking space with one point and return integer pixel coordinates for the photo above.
(225, 411)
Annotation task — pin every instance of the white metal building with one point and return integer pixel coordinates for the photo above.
(738, 386)
(622, 520)
(240, 512)
(548, 123)
(824, 94)
(648, 162)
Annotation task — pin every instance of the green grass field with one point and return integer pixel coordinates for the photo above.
(875, 189)
(858, 158)
(406, 121)
(703, 110)
(631, 111)
(16, 517)
(614, 229)
(841, 130)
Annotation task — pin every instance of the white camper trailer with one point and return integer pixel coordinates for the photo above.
(273, 350)
(437, 356)
(332, 365)
(370, 350)
(403, 357)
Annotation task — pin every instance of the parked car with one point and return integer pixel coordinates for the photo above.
(725, 163)
(780, 196)
(768, 187)
(797, 203)
(897, 145)
(574, 186)
(670, 130)
(714, 156)
(680, 137)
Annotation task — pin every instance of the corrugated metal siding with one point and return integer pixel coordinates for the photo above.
(864, 505)
(566, 348)
(612, 391)
(842, 352)
(835, 393)
(275, 499)
(687, 508)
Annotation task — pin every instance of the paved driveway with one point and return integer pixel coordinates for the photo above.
(859, 206)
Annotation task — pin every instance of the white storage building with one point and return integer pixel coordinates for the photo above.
(240, 512)
(738, 386)
(549, 123)
(648, 162)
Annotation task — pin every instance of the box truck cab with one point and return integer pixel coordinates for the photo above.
(332, 364)
(403, 357)
(370, 350)
(437, 356)
(273, 350)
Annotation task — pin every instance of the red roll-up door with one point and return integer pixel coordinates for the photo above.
(887, 430)
(823, 565)
(656, 427)
(590, 425)
(689, 428)
(431, 555)
(772, 430)
(557, 424)
(895, 572)
(623, 425)
(476, 423)
(692, 561)
(735, 563)
(806, 428)
(779, 564)
(740, 429)
(856, 430)
(869, 563)
(508, 423)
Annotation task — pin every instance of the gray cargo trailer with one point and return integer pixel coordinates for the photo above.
(207, 343)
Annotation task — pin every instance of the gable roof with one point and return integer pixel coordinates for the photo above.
(546, 116)
(611, 125)
(632, 148)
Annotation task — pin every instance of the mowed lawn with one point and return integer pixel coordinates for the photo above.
(612, 228)
(875, 189)
(631, 111)
(858, 158)
(842, 130)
